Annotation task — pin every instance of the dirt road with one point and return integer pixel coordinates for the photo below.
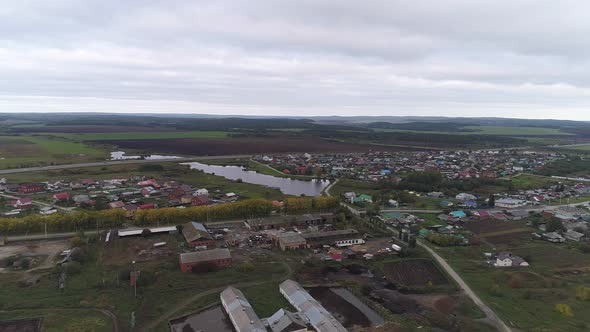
(491, 316)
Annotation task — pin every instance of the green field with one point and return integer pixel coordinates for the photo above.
(141, 135)
(29, 150)
(579, 147)
(526, 297)
(515, 131)
(490, 130)
(532, 181)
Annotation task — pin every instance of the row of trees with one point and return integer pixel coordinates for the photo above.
(300, 204)
(62, 222)
(113, 218)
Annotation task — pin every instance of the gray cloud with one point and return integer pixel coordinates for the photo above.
(458, 58)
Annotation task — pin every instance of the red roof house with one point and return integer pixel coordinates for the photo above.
(60, 197)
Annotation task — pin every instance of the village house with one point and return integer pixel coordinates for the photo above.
(61, 197)
(553, 237)
(510, 203)
(200, 200)
(22, 203)
(116, 205)
(218, 258)
(30, 188)
(574, 236)
(507, 259)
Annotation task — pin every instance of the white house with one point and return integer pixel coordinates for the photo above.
(510, 203)
(506, 259)
(465, 197)
(201, 192)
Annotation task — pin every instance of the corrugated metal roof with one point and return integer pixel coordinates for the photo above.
(205, 255)
(284, 319)
(138, 231)
(194, 231)
(318, 316)
(240, 312)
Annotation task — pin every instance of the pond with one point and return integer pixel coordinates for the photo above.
(285, 185)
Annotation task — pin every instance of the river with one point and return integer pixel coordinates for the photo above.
(285, 185)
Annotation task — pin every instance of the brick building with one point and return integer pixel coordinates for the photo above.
(218, 258)
(196, 235)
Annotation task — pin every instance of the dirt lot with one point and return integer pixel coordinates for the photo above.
(48, 249)
(121, 251)
(242, 145)
(345, 312)
(418, 272)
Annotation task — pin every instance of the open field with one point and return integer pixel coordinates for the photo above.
(102, 284)
(532, 181)
(60, 320)
(23, 151)
(490, 130)
(347, 185)
(516, 131)
(241, 145)
(499, 232)
(526, 297)
(139, 135)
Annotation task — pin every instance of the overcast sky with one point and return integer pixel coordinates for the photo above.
(517, 58)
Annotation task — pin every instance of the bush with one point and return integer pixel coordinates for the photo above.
(79, 254)
(246, 267)
(564, 309)
(73, 268)
(583, 293)
(77, 241)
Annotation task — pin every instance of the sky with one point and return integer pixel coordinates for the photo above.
(517, 58)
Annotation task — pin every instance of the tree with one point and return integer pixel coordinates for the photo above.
(554, 225)
(492, 200)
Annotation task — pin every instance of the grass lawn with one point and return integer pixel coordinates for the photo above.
(24, 151)
(60, 320)
(582, 147)
(532, 181)
(360, 187)
(526, 297)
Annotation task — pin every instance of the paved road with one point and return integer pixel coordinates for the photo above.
(490, 314)
(114, 162)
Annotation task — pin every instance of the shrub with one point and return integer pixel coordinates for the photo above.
(583, 293)
(77, 241)
(564, 309)
(73, 268)
(246, 267)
